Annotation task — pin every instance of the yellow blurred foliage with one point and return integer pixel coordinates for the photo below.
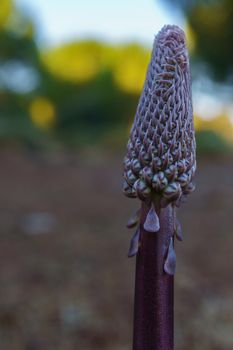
(74, 62)
(80, 62)
(191, 38)
(130, 67)
(221, 125)
(5, 12)
(42, 112)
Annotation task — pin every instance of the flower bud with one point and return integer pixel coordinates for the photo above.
(161, 158)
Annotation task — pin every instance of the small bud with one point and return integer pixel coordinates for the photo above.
(171, 173)
(136, 166)
(142, 190)
(172, 191)
(156, 182)
(156, 164)
(189, 188)
(130, 177)
(128, 190)
(147, 175)
(183, 179)
(163, 182)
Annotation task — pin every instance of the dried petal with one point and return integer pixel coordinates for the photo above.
(151, 223)
(134, 244)
(178, 231)
(134, 220)
(170, 262)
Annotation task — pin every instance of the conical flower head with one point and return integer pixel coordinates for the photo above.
(161, 152)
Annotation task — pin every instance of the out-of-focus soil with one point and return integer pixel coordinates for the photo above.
(65, 281)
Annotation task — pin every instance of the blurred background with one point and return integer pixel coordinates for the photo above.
(71, 73)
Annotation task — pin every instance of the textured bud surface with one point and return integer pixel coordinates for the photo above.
(161, 160)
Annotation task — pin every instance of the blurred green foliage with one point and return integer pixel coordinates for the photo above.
(210, 142)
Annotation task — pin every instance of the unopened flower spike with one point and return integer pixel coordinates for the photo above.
(159, 168)
(161, 161)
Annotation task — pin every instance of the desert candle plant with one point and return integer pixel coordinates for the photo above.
(159, 168)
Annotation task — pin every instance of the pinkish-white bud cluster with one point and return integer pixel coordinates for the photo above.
(161, 158)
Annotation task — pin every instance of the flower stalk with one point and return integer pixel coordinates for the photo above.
(153, 310)
(159, 168)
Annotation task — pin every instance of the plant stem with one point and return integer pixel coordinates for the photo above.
(154, 289)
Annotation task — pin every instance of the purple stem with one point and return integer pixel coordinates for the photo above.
(154, 289)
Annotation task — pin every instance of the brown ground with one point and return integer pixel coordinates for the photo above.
(72, 287)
